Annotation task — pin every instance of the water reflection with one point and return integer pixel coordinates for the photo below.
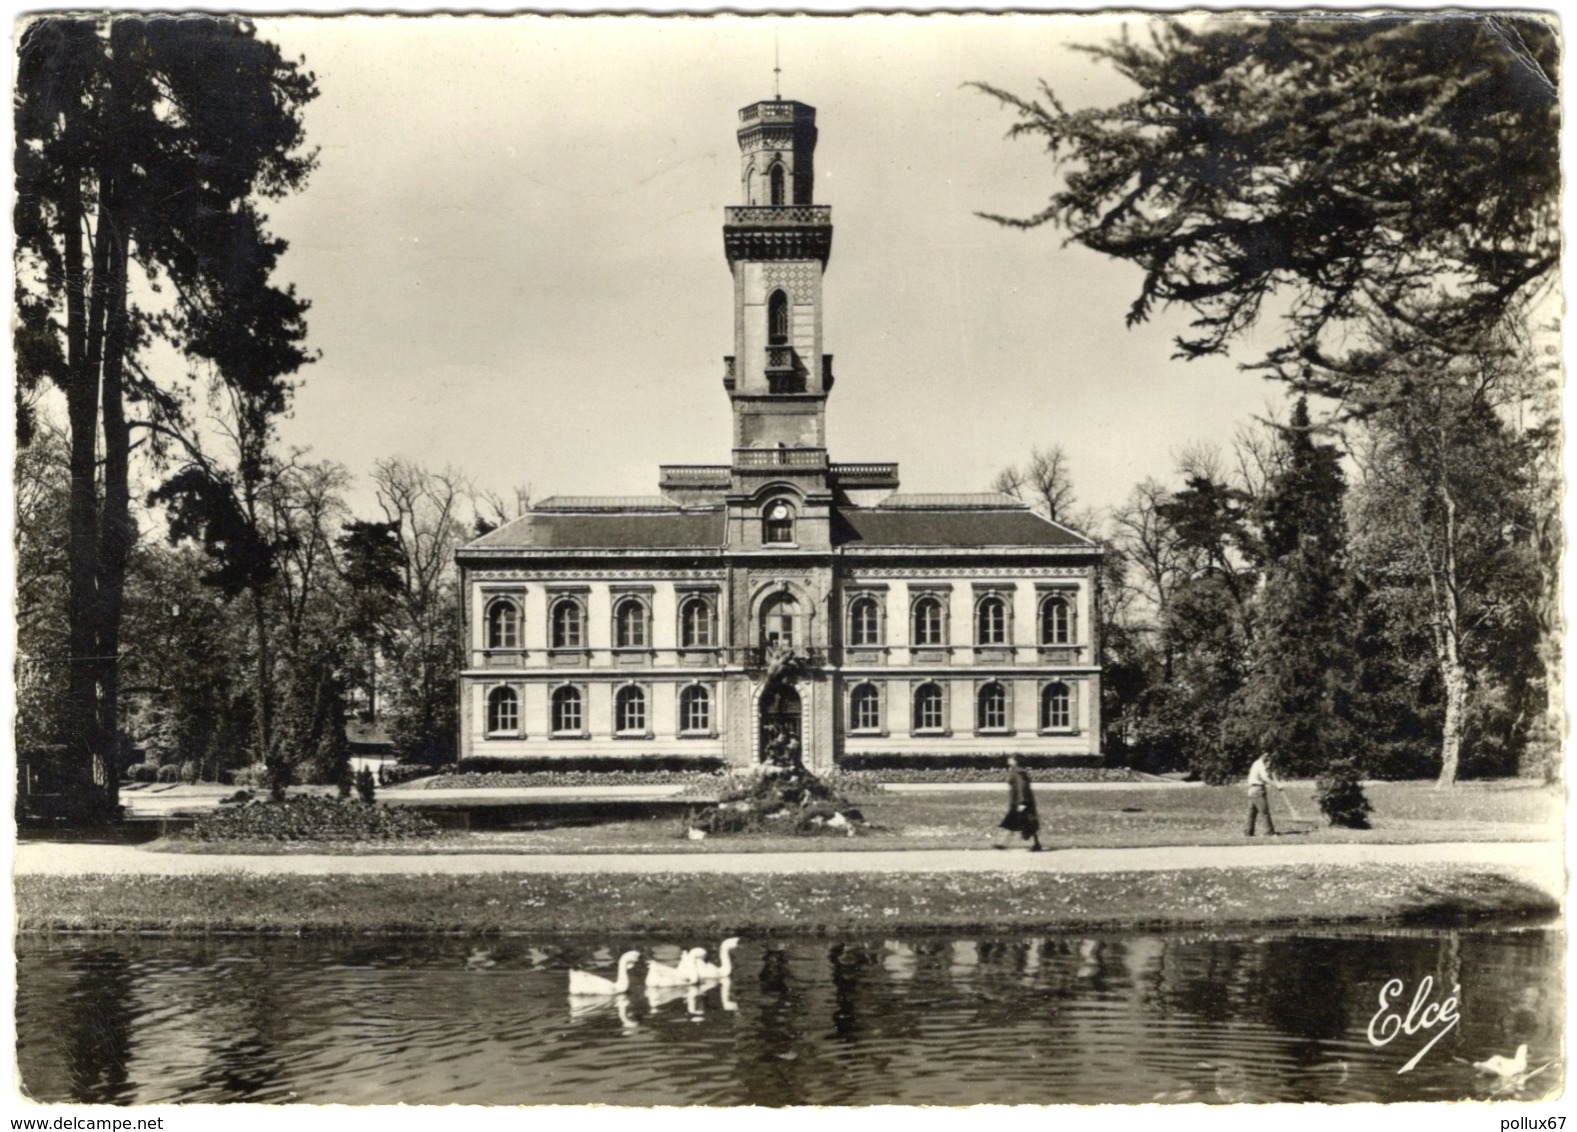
(1219, 1018)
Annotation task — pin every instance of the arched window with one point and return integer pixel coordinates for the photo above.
(779, 618)
(629, 624)
(865, 622)
(928, 708)
(991, 712)
(695, 624)
(567, 716)
(569, 624)
(630, 710)
(1056, 707)
(777, 523)
(503, 624)
(865, 708)
(777, 319)
(695, 709)
(991, 622)
(778, 197)
(927, 622)
(1056, 621)
(503, 712)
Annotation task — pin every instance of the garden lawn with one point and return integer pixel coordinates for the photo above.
(1088, 818)
(752, 904)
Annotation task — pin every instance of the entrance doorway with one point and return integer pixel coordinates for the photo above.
(780, 722)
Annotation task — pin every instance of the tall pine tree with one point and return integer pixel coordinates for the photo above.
(144, 146)
(1297, 701)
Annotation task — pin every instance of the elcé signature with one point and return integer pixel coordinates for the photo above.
(1389, 1022)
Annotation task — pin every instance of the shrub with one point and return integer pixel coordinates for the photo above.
(1341, 796)
(189, 772)
(344, 786)
(143, 772)
(591, 764)
(247, 776)
(365, 786)
(169, 773)
(995, 762)
(404, 772)
(309, 818)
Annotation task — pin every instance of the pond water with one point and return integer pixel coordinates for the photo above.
(1121, 1018)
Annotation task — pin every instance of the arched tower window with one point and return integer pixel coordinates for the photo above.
(777, 319)
(779, 620)
(777, 523)
(778, 197)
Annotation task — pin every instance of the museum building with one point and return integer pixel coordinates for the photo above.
(780, 594)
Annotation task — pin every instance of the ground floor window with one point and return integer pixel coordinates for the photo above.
(993, 708)
(503, 712)
(865, 708)
(695, 710)
(630, 710)
(928, 708)
(1056, 708)
(567, 714)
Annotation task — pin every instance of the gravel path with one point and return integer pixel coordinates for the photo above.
(1541, 862)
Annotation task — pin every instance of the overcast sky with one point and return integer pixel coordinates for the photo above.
(514, 254)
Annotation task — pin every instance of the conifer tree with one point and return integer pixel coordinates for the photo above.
(1297, 699)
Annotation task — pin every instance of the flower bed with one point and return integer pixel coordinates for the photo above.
(710, 781)
(310, 818)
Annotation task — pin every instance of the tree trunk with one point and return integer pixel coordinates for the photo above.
(1452, 673)
(80, 723)
(115, 526)
(1455, 680)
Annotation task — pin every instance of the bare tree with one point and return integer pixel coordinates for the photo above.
(1044, 482)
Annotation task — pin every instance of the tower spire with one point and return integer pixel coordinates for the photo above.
(777, 68)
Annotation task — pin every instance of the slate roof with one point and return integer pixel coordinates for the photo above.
(953, 527)
(609, 530)
(916, 521)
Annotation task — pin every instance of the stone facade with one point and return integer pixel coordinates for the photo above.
(780, 594)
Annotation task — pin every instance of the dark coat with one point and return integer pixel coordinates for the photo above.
(1025, 820)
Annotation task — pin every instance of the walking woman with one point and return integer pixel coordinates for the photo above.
(1021, 816)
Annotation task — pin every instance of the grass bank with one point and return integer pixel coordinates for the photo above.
(750, 904)
(1404, 813)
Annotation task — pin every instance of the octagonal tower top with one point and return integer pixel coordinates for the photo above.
(777, 144)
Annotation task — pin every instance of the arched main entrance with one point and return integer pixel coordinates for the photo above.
(780, 724)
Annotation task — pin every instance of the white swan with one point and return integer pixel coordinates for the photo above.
(1504, 1067)
(683, 975)
(585, 983)
(724, 966)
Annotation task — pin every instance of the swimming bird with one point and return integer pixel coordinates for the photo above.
(585, 983)
(683, 975)
(724, 966)
(1504, 1067)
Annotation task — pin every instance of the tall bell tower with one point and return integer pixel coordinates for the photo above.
(777, 244)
